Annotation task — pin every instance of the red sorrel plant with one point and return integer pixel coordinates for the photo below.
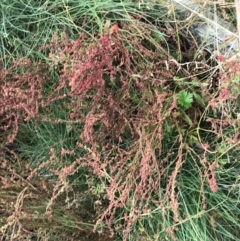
(224, 104)
(123, 101)
(23, 202)
(226, 99)
(125, 110)
(21, 95)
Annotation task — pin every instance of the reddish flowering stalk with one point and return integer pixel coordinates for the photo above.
(115, 28)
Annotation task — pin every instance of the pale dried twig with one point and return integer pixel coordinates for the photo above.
(237, 3)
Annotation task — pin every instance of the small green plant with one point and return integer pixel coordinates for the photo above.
(185, 99)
